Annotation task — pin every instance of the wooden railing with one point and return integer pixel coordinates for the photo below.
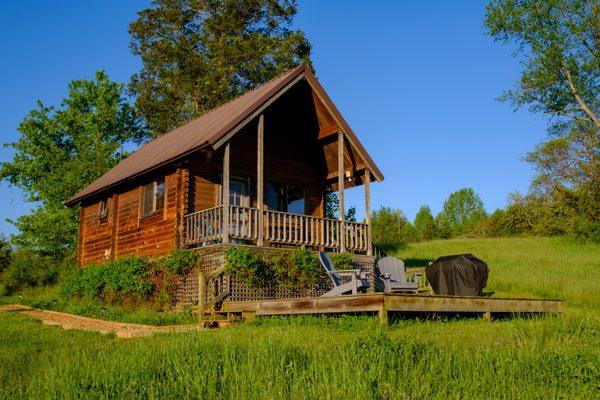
(204, 226)
(278, 227)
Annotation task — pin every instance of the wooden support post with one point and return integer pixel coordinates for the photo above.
(260, 178)
(225, 194)
(487, 316)
(201, 295)
(341, 213)
(383, 316)
(367, 183)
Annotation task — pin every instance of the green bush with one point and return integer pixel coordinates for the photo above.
(178, 262)
(342, 261)
(296, 270)
(28, 268)
(247, 265)
(132, 277)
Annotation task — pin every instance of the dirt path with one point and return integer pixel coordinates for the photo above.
(121, 329)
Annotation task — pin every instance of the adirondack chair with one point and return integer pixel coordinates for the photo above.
(391, 272)
(357, 281)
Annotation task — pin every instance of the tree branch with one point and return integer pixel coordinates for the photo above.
(578, 98)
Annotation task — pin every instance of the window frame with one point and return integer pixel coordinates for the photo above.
(103, 219)
(155, 184)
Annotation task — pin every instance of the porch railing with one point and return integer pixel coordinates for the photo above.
(206, 227)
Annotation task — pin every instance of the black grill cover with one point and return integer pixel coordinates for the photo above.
(458, 275)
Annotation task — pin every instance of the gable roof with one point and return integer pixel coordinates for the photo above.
(212, 129)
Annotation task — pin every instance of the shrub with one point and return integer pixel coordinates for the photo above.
(342, 261)
(296, 270)
(28, 268)
(305, 269)
(247, 265)
(178, 262)
(130, 277)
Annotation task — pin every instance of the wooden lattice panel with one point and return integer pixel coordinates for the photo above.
(213, 258)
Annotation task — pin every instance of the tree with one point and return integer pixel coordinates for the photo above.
(332, 205)
(198, 54)
(61, 150)
(558, 42)
(424, 224)
(462, 209)
(390, 226)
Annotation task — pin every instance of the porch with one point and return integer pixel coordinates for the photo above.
(249, 225)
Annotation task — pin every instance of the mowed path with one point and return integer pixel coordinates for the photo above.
(120, 329)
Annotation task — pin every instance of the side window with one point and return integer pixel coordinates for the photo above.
(153, 197)
(295, 199)
(103, 211)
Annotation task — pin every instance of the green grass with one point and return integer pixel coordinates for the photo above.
(345, 357)
(47, 298)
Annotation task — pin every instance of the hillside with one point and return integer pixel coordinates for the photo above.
(345, 357)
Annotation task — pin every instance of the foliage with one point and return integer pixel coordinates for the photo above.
(424, 224)
(178, 262)
(129, 278)
(296, 270)
(197, 55)
(391, 226)
(28, 268)
(60, 151)
(124, 277)
(247, 265)
(332, 205)
(557, 42)
(305, 270)
(462, 210)
(342, 261)
(275, 358)
(5, 253)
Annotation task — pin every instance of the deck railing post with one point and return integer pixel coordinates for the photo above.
(341, 213)
(225, 194)
(367, 183)
(260, 178)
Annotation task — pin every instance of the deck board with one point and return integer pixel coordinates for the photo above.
(393, 302)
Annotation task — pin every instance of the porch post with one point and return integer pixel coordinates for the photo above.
(225, 194)
(341, 213)
(367, 183)
(260, 178)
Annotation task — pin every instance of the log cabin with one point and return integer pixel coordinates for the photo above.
(254, 171)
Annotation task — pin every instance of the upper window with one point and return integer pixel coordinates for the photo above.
(153, 197)
(103, 211)
(286, 198)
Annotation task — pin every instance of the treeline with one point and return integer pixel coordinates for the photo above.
(561, 213)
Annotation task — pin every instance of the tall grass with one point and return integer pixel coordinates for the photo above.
(347, 357)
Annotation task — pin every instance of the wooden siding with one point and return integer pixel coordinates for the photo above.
(125, 232)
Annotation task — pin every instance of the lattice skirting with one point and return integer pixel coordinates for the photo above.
(211, 260)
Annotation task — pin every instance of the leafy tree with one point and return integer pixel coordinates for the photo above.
(5, 253)
(424, 224)
(198, 54)
(390, 226)
(462, 209)
(558, 43)
(332, 205)
(60, 151)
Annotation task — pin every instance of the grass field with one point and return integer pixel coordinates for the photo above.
(347, 357)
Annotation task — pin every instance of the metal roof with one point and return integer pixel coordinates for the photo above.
(210, 129)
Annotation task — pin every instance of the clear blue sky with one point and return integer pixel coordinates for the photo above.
(417, 81)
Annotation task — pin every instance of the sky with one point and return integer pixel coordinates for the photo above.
(417, 81)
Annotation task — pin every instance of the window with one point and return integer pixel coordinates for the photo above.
(238, 192)
(286, 198)
(103, 211)
(295, 200)
(153, 197)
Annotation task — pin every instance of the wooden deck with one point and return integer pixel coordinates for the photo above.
(384, 303)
